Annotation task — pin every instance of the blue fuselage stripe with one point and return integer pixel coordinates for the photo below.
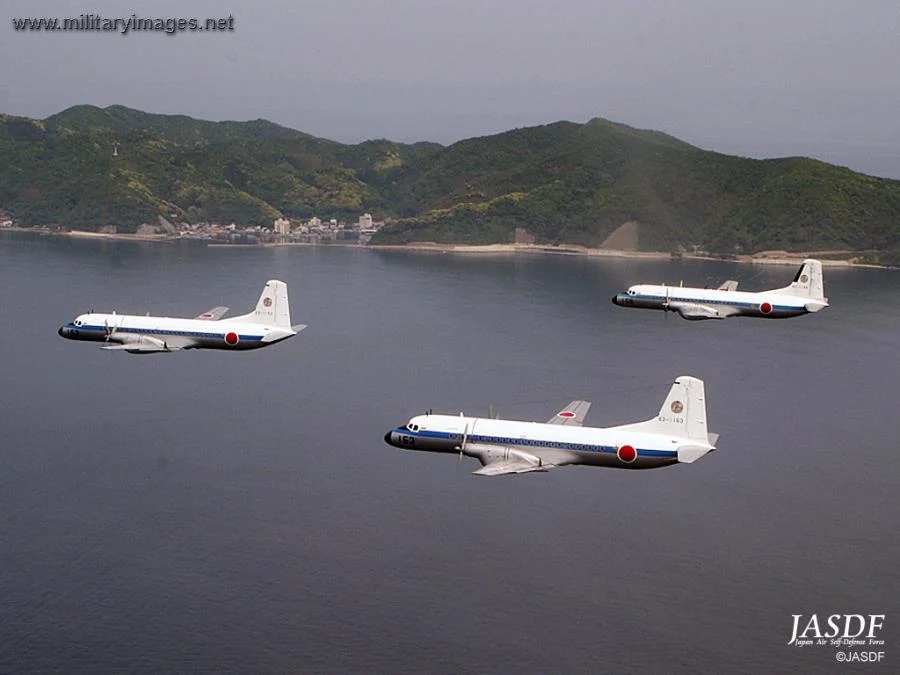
(161, 331)
(531, 442)
(705, 301)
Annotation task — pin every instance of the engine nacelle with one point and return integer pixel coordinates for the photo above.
(696, 312)
(493, 453)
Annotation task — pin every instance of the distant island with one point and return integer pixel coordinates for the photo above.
(599, 185)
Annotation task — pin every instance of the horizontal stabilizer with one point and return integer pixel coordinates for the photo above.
(688, 454)
(298, 327)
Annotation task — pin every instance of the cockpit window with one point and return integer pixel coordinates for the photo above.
(630, 291)
(78, 322)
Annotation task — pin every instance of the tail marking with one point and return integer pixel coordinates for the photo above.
(272, 308)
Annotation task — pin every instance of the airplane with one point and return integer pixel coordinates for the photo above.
(804, 295)
(676, 435)
(268, 323)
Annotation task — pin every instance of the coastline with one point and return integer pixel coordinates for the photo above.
(761, 258)
(86, 234)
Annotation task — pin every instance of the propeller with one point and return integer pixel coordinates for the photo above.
(462, 446)
(108, 329)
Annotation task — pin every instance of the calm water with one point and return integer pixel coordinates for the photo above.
(209, 511)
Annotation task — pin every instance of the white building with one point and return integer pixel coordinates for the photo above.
(365, 221)
(282, 226)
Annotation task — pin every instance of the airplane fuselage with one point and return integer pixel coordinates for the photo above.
(553, 444)
(175, 333)
(719, 303)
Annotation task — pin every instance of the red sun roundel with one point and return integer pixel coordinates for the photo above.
(765, 308)
(565, 413)
(231, 338)
(627, 454)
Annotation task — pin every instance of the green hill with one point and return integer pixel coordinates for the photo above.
(564, 182)
(571, 183)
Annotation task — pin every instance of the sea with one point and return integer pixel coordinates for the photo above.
(208, 511)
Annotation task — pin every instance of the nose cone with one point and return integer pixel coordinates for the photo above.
(617, 299)
(387, 437)
(62, 331)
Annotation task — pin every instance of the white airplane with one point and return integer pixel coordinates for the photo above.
(804, 295)
(676, 435)
(269, 323)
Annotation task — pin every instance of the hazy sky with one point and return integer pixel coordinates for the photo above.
(760, 78)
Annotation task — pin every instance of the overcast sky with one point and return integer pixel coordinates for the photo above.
(760, 78)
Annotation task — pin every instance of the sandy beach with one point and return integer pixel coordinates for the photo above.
(86, 234)
(831, 258)
(761, 258)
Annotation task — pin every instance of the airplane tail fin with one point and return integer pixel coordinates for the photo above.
(272, 308)
(682, 414)
(808, 281)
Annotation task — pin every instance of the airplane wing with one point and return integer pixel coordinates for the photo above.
(144, 345)
(500, 468)
(572, 414)
(136, 348)
(730, 285)
(214, 314)
(496, 461)
(697, 311)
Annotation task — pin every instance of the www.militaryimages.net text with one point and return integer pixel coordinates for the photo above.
(123, 25)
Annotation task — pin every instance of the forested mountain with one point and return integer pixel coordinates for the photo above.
(566, 183)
